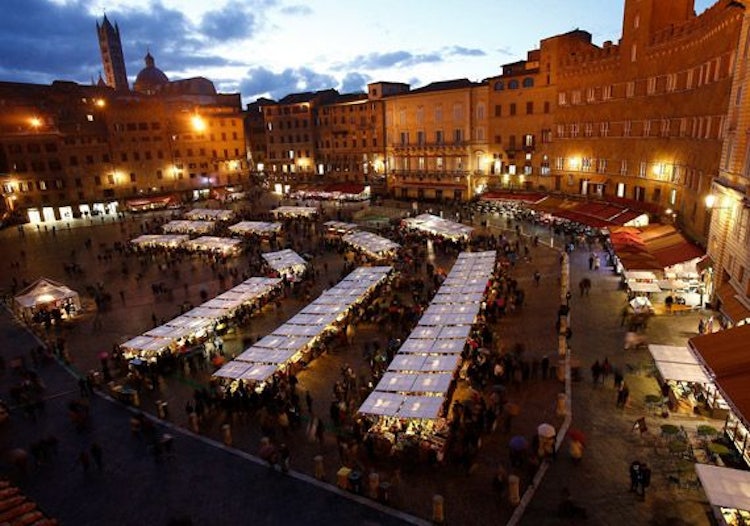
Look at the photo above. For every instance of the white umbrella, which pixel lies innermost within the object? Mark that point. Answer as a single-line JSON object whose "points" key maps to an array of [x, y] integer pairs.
{"points": [[546, 431]]}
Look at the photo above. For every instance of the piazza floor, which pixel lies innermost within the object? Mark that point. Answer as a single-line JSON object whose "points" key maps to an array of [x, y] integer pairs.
{"points": [[212, 484]]}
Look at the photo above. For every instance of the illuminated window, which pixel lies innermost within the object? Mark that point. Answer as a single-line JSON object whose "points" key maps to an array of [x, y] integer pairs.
{"points": [[620, 190]]}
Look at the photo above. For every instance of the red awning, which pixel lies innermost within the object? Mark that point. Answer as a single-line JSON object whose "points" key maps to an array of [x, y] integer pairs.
{"points": [[724, 353], [731, 307]]}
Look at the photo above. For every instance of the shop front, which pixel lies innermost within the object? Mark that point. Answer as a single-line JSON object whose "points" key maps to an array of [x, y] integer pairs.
{"points": [[728, 492]]}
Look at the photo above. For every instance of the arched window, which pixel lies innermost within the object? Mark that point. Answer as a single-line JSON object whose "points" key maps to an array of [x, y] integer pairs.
{"points": [[499, 85], [513, 84], [528, 82]]}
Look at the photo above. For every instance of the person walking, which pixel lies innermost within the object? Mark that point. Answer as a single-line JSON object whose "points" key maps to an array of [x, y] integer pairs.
{"points": [[635, 469], [537, 277]]}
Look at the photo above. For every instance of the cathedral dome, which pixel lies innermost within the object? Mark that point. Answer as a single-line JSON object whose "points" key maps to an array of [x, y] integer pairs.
{"points": [[150, 79]]}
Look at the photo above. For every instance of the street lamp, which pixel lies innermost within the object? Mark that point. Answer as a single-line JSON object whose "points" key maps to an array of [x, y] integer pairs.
{"points": [[35, 122], [199, 124]]}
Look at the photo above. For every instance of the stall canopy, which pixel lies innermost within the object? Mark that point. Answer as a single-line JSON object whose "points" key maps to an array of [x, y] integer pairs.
{"points": [[371, 244], [181, 226], [209, 214], [286, 262], [425, 364], [438, 226], [725, 487], [725, 355], [261, 228], [285, 344], [222, 245], [45, 293], [200, 319], [295, 211], [160, 240]]}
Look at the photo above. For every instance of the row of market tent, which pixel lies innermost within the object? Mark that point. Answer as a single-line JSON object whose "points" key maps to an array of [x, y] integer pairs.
{"points": [[419, 378], [222, 245], [292, 343], [200, 321]]}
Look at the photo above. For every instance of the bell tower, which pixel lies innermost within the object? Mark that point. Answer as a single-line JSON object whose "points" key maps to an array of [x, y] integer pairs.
{"points": [[112, 57]]}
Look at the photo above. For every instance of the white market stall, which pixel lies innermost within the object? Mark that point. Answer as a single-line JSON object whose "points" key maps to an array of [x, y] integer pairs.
{"points": [[295, 211], [209, 214], [372, 245], [437, 226], [160, 240], [418, 383], [43, 297], [222, 245], [255, 228], [295, 341], [287, 263], [687, 381], [181, 226]]}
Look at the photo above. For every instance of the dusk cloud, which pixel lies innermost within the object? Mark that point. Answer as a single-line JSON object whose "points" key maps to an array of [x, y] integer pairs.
{"points": [[355, 82], [392, 59], [466, 52], [297, 10], [232, 22], [261, 81]]}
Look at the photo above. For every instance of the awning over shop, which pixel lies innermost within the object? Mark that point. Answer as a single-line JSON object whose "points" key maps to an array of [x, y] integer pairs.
{"points": [[513, 196], [725, 487], [151, 203], [672, 353], [731, 306], [597, 214], [653, 247], [725, 355], [682, 372]]}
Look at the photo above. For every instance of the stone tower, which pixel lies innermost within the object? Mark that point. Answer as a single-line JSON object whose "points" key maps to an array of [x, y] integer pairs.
{"points": [[112, 57]]}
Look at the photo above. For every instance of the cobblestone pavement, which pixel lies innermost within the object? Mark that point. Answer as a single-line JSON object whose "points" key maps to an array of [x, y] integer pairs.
{"points": [[212, 484]]}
